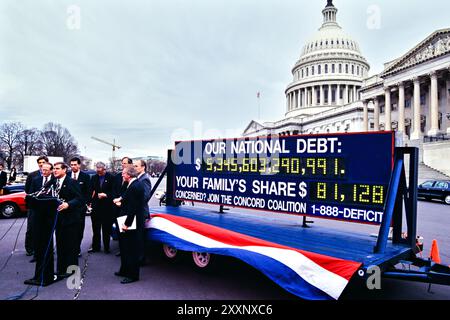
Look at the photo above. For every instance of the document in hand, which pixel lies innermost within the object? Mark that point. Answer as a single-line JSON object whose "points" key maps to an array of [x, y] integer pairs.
{"points": [[121, 222]]}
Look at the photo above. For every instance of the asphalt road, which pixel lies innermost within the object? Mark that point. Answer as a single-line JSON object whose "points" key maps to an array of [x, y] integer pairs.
{"points": [[229, 279]]}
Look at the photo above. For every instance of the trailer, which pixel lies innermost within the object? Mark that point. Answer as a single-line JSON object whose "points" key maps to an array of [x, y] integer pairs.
{"points": [[329, 175]]}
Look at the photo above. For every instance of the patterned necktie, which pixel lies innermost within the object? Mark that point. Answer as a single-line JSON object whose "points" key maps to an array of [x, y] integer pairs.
{"points": [[45, 181], [58, 186]]}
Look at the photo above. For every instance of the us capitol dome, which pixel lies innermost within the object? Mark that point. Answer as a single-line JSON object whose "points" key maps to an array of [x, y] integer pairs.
{"points": [[329, 72]]}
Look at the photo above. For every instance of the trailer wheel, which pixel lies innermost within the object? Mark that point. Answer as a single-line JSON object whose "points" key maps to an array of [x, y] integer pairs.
{"points": [[169, 252], [201, 259]]}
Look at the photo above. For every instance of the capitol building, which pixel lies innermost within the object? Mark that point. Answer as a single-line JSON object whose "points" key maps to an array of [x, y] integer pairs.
{"points": [[331, 90]]}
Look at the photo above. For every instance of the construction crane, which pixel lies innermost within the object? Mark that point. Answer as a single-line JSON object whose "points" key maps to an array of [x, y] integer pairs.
{"points": [[114, 147]]}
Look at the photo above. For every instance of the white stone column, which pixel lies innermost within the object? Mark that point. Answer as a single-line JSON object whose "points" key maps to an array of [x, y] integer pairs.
{"points": [[346, 94], [338, 95], [322, 99], [434, 106], [297, 99], [355, 98], [287, 104], [401, 107], [314, 96], [387, 109], [447, 104], [305, 97], [416, 120], [365, 117], [376, 114], [329, 94]]}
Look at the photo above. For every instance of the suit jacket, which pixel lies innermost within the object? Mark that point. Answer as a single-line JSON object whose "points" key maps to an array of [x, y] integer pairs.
{"points": [[30, 178], [36, 183], [144, 180], [70, 192], [107, 187], [133, 205], [119, 186], [3, 179], [84, 181]]}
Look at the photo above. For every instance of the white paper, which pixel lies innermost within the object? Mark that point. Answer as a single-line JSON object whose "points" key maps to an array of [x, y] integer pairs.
{"points": [[121, 222]]}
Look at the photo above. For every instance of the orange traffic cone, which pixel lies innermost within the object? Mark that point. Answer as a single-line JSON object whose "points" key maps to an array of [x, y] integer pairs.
{"points": [[434, 255]]}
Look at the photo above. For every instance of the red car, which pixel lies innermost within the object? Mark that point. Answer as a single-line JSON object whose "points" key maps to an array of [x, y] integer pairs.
{"points": [[12, 204]]}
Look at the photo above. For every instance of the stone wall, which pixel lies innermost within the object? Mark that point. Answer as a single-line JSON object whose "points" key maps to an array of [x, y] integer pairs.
{"points": [[437, 156]]}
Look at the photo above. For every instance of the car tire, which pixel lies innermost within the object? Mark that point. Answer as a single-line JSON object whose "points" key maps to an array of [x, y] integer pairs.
{"points": [[447, 199], [9, 210]]}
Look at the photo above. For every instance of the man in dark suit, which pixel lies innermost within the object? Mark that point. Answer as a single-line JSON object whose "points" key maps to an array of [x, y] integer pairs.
{"points": [[67, 226], [144, 179], [28, 189], [3, 177], [119, 188], [84, 181], [101, 215], [132, 206], [43, 228]]}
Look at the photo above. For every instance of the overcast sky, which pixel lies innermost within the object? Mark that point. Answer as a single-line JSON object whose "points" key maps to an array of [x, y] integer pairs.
{"points": [[143, 72]]}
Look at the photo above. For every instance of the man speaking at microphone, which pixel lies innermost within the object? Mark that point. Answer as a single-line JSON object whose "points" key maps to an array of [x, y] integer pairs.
{"points": [[68, 224]]}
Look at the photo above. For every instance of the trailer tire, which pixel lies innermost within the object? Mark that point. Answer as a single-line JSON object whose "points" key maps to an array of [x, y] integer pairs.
{"points": [[170, 252], [202, 260]]}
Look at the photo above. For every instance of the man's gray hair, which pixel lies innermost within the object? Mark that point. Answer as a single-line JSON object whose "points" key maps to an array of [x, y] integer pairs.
{"points": [[100, 165], [131, 171]]}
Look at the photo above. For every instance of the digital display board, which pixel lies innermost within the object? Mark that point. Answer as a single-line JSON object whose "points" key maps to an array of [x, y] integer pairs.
{"points": [[335, 176]]}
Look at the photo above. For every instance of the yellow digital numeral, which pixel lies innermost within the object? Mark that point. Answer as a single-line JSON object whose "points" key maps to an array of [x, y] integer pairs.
{"points": [[219, 164], [245, 165], [322, 164], [311, 163], [364, 193], [263, 164], [377, 194], [276, 165], [285, 164], [209, 164], [253, 165], [295, 165], [321, 190]]}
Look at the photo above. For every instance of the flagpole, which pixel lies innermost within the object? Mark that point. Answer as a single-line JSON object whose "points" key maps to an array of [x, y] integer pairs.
{"points": [[258, 94]]}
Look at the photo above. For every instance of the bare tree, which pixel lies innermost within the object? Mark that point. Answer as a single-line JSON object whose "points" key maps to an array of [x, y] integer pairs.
{"points": [[58, 142], [155, 167], [30, 144], [10, 141]]}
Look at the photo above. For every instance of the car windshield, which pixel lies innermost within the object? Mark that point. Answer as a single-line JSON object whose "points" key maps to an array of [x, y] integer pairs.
{"points": [[427, 184]]}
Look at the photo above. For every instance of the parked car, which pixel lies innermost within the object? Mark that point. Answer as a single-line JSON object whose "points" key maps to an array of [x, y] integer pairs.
{"points": [[13, 188], [13, 204], [435, 189]]}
